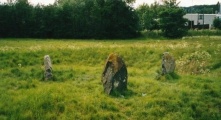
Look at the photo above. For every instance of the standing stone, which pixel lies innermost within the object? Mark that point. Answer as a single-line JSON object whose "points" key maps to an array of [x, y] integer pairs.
{"points": [[114, 76], [48, 67], [168, 63]]}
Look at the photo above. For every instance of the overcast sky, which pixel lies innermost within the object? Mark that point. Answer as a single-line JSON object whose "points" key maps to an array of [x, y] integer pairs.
{"points": [[185, 3]]}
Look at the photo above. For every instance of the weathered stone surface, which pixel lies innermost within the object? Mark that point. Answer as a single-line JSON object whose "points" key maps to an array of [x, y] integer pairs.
{"points": [[114, 76], [48, 67], [168, 63]]}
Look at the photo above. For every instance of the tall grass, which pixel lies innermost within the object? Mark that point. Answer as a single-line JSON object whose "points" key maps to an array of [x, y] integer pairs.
{"points": [[204, 32], [77, 93], [157, 34]]}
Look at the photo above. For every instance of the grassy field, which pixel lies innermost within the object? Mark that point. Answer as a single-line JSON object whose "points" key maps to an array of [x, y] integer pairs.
{"points": [[76, 92]]}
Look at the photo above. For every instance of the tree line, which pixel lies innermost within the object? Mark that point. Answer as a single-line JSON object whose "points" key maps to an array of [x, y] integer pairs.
{"points": [[94, 19], [202, 9], [80, 19]]}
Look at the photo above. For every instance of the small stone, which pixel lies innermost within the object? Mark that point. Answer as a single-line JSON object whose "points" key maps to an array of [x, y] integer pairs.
{"points": [[168, 63], [48, 67]]}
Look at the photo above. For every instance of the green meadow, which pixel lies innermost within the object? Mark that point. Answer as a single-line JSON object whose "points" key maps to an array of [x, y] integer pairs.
{"points": [[193, 92]]}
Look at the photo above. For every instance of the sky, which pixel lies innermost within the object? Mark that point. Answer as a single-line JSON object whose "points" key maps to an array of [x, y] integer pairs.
{"points": [[183, 3]]}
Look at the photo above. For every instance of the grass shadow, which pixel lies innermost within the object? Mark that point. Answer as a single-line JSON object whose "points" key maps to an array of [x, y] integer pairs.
{"points": [[168, 77], [124, 94]]}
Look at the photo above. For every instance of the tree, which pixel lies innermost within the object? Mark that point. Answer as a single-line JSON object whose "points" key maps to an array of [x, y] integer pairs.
{"points": [[217, 23], [6, 20], [23, 18], [15, 19], [202, 9], [145, 16], [120, 20], [172, 22], [148, 16]]}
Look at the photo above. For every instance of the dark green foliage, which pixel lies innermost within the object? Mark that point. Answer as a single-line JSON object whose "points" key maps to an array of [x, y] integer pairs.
{"points": [[16, 19], [172, 76], [204, 32], [168, 76], [172, 22], [217, 23], [217, 65], [167, 17], [202, 9], [65, 19], [119, 19], [148, 16]]}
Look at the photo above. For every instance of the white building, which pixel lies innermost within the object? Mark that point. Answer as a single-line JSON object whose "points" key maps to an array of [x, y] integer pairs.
{"points": [[201, 19]]}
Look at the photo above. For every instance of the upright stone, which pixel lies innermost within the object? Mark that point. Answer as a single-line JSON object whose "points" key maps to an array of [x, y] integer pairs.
{"points": [[168, 63], [48, 67], [114, 76]]}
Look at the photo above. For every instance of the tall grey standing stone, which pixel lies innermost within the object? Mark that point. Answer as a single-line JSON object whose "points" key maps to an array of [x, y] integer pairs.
{"points": [[168, 63], [48, 67], [114, 76]]}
